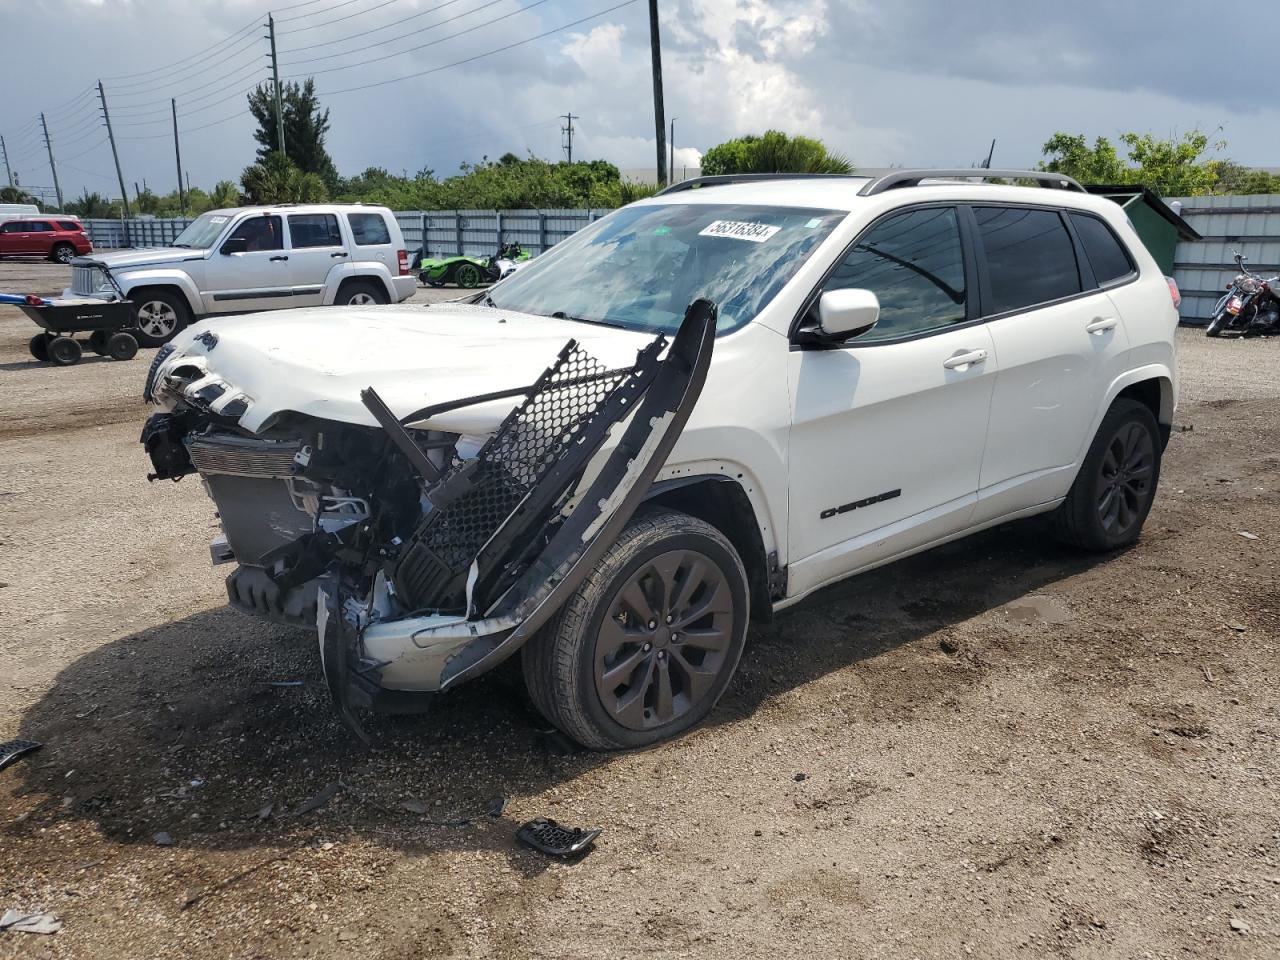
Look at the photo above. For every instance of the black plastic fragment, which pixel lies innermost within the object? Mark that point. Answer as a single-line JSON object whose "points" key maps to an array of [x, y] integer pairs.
{"points": [[549, 837], [11, 750]]}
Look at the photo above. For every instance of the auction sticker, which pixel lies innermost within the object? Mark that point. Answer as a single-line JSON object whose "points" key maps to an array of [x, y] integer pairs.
{"points": [[739, 230]]}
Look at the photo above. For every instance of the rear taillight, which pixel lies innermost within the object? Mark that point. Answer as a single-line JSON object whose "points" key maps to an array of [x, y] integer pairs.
{"points": [[403, 256], [1173, 291]]}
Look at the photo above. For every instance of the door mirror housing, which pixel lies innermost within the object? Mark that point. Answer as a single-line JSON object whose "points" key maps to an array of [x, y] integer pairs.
{"points": [[234, 245], [844, 314]]}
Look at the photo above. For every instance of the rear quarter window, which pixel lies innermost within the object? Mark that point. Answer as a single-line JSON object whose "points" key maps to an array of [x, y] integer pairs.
{"points": [[1106, 254], [68, 225], [1030, 257], [369, 229]]}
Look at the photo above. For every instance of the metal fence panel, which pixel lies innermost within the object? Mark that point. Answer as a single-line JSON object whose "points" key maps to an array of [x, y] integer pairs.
{"points": [[1204, 268], [476, 233]]}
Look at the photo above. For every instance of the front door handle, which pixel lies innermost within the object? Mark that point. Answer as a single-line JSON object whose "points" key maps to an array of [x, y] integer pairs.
{"points": [[274, 259], [962, 360], [1101, 324], [337, 255]]}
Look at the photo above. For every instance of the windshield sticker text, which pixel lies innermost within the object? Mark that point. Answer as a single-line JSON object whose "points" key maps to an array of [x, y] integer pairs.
{"points": [[739, 230]]}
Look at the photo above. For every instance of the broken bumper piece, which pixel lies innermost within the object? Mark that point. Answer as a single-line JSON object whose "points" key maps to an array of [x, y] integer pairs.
{"points": [[435, 651]]}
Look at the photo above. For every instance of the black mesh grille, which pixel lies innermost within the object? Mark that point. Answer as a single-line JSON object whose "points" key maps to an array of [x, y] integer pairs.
{"points": [[529, 443]]}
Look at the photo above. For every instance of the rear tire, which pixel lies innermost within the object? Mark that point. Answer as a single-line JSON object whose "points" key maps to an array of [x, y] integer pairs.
{"points": [[161, 315], [612, 675], [98, 342], [64, 351], [39, 347], [122, 346], [1113, 492], [62, 253], [360, 293], [467, 275]]}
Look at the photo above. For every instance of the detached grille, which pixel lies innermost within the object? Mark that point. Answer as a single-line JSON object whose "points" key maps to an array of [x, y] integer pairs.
{"points": [[242, 456], [84, 281]]}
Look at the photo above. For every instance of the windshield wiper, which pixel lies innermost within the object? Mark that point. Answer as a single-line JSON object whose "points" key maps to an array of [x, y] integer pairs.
{"points": [[561, 315], [185, 246]]}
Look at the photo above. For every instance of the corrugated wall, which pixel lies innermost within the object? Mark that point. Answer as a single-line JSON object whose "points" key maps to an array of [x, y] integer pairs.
{"points": [[1203, 268]]}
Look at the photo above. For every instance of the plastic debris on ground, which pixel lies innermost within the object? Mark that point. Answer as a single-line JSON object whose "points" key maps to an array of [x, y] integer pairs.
{"points": [[12, 750], [549, 837], [20, 922]]}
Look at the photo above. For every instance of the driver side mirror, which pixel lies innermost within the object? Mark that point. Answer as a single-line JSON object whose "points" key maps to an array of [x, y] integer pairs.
{"points": [[844, 314], [235, 245]]}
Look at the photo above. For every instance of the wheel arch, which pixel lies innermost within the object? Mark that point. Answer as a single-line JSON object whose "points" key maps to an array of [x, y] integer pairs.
{"points": [[356, 273], [169, 284], [722, 502]]}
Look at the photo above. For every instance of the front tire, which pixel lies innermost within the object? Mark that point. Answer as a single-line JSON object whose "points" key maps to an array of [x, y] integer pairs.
{"points": [[648, 643], [161, 314], [1113, 492], [39, 347], [64, 351]]}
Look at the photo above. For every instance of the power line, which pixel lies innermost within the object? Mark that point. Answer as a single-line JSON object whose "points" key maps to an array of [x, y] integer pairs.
{"points": [[358, 13], [355, 36], [466, 13], [188, 73], [316, 13], [481, 56], [437, 42], [204, 51]]}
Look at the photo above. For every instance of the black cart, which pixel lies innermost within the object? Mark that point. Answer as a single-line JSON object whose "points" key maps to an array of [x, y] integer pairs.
{"points": [[112, 326]]}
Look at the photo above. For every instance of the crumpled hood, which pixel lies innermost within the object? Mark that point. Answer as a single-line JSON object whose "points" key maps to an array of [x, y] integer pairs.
{"points": [[155, 256], [316, 361]]}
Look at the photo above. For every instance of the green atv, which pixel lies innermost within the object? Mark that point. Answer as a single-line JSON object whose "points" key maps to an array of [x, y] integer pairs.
{"points": [[467, 271]]}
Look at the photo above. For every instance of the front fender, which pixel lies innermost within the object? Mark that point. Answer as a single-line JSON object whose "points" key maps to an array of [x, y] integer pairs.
{"points": [[163, 277]]}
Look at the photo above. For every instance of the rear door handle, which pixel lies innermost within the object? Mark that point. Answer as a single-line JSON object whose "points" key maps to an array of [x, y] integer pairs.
{"points": [[337, 255], [274, 259], [965, 359], [1101, 324]]}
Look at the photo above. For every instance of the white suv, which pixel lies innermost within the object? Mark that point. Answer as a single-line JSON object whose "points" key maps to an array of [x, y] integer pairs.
{"points": [[696, 411], [256, 258]]}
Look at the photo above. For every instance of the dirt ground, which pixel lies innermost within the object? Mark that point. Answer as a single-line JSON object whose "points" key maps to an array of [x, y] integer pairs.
{"points": [[1002, 748]]}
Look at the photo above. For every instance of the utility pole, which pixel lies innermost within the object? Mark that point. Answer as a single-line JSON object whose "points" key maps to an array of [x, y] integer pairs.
{"points": [[986, 165], [655, 47], [8, 172], [567, 130], [177, 153], [671, 144], [48, 145], [275, 76], [124, 194]]}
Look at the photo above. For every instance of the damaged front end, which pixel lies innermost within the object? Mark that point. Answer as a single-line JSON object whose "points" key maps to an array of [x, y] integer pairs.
{"points": [[425, 557]]}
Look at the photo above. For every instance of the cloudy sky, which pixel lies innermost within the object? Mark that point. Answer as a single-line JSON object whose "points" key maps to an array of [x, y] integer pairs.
{"points": [[908, 82]]}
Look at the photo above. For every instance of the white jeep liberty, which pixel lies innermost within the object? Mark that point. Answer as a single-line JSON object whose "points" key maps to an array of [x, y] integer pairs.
{"points": [[255, 258], [696, 411]]}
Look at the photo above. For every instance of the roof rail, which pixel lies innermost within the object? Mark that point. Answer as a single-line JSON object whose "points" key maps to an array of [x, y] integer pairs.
{"points": [[722, 179], [912, 178]]}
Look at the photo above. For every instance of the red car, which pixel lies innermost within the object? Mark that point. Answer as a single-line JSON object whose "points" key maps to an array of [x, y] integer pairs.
{"points": [[57, 238]]}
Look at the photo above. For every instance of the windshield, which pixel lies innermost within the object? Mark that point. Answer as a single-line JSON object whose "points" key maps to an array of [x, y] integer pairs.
{"points": [[202, 231], [641, 266]]}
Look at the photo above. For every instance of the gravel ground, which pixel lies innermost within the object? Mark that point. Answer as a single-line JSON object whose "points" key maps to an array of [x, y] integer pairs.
{"points": [[1002, 748]]}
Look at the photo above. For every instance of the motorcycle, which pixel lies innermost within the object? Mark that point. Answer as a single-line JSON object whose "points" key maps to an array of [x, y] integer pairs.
{"points": [[1250, 307], [467, 272]]}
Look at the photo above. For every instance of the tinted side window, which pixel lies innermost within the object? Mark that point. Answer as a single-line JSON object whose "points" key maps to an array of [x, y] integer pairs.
{"points": [[1030, 257], [314, 230], [41, 226], [69, 225], [369, 229], [262, 233], [15, 226], [1106, 254], [914, 264]]}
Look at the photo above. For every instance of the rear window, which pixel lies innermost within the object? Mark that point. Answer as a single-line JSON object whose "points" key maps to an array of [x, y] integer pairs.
{"points": [[68, 225], [1030, 257], [1106, 254], [314, 230], [369, 229]]}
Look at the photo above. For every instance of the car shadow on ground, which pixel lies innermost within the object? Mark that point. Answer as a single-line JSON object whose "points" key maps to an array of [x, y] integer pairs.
{"points": [[88, 358], [199, 726]]}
